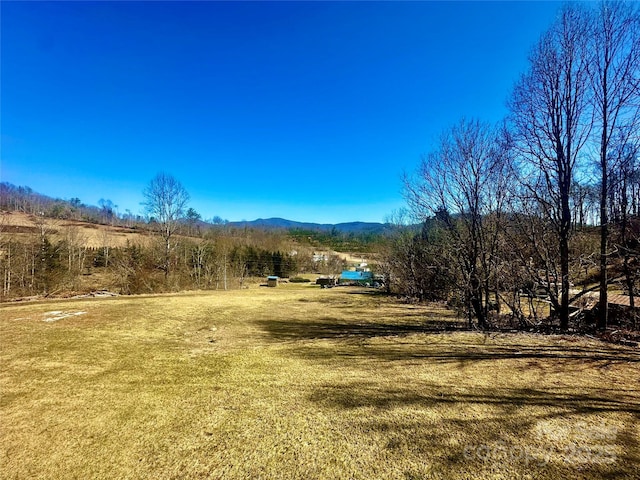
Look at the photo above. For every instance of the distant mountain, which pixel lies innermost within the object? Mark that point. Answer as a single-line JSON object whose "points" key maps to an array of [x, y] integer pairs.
{"points": [[284, 224]]}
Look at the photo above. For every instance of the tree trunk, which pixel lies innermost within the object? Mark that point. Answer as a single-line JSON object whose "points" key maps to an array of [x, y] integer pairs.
{"points": [[603, 304], [565, 229], [476, 301]]}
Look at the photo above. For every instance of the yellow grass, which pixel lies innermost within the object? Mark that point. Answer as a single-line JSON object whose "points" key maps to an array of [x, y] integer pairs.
{"points": [[302, 382], [87, 234]]}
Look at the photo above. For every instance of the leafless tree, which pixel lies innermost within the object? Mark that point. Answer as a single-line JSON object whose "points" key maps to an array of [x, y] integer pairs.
{"points": [[625, 180], [416, 261], [165, 202], [615, 80], [584, 204], [5, 258], [75, 244], [551, 125], [462, 184]]}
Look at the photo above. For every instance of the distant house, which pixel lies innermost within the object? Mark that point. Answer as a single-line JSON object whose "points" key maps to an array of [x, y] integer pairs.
{"points": [[320, 257], [272, 281]]}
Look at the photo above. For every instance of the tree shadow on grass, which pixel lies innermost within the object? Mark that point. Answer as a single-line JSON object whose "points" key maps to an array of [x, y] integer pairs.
{"points": [[509, 438], [587, 401], [422, 418], [353, 340], [328, 328]]}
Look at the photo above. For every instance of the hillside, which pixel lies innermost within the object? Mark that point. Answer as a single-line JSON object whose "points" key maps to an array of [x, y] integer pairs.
{"points": [[95, 235], [90, 235], [45, 256], [14, 199], [284, 224]]}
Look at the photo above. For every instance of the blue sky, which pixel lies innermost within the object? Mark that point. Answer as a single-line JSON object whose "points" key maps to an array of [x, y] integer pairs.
{"points": [[309, 111]]}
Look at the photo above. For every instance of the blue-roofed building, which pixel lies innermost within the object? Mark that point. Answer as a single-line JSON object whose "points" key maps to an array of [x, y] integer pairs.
{"points": [[357, 277]]}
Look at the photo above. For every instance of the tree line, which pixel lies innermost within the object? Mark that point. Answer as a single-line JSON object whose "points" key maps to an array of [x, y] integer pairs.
{"points": [[543, 208], [549, 196], [53, 257]]}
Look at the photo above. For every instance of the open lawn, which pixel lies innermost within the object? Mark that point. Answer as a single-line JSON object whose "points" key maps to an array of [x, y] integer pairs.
{"points": [[303, 382]]}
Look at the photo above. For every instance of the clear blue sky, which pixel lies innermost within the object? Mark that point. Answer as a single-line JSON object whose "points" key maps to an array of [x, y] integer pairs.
{"points": [[309, 111]]}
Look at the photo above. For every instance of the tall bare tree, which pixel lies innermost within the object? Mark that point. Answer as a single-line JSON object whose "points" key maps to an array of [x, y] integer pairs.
{"points": [[462, 185], [417, 262], [625, 180], [615, 78], [551, 125], [165, 202]]}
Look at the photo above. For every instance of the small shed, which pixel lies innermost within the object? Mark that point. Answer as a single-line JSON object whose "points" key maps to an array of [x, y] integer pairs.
{"points": [[272, 281]]}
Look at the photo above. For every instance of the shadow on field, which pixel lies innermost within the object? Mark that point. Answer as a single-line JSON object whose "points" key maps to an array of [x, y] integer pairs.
{"points": [[330, 328], [511, 400], [513, 437], [471, 428], [465, 354], [352, 338]]}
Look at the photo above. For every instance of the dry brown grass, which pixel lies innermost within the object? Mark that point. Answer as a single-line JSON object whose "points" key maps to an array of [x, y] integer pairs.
{"points": [[87, 234], [299, 382]]}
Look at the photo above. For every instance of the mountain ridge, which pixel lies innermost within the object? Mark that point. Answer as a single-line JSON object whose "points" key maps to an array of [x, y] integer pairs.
{"points": [[275, 223]]}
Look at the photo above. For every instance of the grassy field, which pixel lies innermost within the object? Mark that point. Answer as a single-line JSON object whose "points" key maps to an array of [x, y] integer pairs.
{"points": [[299, 382]]}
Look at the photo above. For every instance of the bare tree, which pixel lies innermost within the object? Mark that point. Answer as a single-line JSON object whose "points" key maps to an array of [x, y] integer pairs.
{"points": [[615, 78], [165, 202], [462, 185], [75, 244], [6, 258], [551, 125], [416, 262], [627, 176]]}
